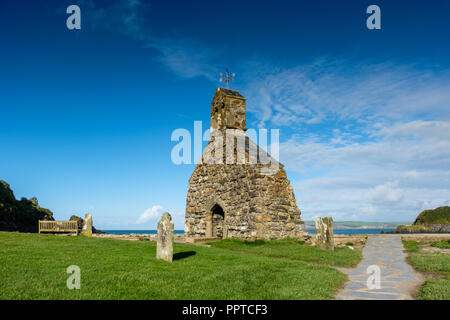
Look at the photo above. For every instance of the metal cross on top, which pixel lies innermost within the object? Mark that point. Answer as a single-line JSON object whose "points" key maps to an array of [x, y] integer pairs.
{"points": [[227, 77]]}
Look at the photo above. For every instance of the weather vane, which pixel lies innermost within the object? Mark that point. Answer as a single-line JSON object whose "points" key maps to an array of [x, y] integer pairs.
{"points": [[227, 77]]}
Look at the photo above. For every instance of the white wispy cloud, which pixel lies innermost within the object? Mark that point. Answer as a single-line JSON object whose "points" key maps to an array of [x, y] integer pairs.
{"points": [[151, 217], [150, 214], [385, 193], [120, 16], [185, 58], [344, 90]]}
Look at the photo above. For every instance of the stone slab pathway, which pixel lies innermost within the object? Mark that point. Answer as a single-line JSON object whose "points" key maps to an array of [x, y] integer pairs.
{"points": [[398, 279]]}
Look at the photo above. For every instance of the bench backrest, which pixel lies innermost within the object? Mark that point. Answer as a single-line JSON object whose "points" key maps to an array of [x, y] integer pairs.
{"points": [[58, 226]]}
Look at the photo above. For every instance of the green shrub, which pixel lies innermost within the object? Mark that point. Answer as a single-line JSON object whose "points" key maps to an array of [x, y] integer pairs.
{"points": [[439, 215], [19, 215]]}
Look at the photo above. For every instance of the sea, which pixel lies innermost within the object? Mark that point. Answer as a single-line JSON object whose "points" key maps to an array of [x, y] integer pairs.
{"points": [[311, 231], [356, 230], [138, 231]]}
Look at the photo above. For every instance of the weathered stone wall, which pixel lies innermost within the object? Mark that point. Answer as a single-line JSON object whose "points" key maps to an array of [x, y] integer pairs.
{"points": [[255, 205], [228, 110]]}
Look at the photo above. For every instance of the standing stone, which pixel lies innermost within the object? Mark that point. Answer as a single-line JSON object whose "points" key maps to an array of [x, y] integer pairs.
{"points": [[324, 233], [164, 242], [87, 225]]}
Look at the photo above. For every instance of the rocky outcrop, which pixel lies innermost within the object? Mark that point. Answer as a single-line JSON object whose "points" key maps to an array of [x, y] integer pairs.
{"points": [[436, 228], [438, 216], [429, 221], [79, 221], [20, 215]]}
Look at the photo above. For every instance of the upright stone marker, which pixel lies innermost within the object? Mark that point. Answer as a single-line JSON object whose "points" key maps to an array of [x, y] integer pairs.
{"points": [[324, 233], [87, 225], [164, 243]]}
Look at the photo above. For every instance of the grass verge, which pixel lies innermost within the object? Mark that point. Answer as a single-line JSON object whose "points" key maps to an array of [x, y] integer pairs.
{"points": [[443, 244], [435, 266], [411, 246]]}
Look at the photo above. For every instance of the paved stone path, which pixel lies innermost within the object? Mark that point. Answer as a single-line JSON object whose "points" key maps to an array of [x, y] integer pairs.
{"points": [[397, 278]]}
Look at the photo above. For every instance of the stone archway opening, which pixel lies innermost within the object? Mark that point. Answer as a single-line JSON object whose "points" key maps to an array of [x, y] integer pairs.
{"points": [[217, 221]]}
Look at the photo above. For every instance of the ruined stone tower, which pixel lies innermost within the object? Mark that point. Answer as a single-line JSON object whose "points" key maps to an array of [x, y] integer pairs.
{"points": [[231, 193], [228, 110]]}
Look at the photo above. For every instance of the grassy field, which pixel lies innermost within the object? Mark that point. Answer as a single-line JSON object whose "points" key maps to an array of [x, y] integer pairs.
{"points": [[33, 266], [293, 250], [436, 267]]}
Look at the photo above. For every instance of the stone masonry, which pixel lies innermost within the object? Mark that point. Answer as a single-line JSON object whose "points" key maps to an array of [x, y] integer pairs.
{"points": [[236, 198]]}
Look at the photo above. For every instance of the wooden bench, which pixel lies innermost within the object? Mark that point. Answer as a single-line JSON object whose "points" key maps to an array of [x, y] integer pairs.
{"points": [[58, 226]]}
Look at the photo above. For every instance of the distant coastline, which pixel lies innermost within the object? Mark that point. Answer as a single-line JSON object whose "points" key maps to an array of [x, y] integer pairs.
{"points": [[311, 230], [138, 231], [355, 230], [340, 225]]}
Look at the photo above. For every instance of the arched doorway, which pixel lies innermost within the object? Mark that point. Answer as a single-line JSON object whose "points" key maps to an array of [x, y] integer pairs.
{"points": [[217, 219]]}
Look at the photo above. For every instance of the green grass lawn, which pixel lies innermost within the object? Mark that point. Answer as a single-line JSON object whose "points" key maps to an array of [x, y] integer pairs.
{"points": [[411, 246], [33, 266], [437, 268], [293, 250]]}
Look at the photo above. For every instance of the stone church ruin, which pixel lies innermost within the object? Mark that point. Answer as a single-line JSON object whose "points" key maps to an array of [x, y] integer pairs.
{"points": [[232, 193]]}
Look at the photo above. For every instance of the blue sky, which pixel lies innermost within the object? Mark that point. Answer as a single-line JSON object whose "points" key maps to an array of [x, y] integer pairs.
{"points": [[87, 115]]}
